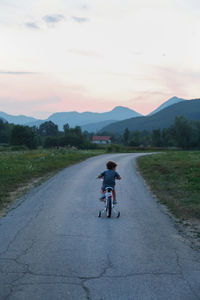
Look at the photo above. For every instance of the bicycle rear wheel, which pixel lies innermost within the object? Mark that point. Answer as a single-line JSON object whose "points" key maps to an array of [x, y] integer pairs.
{"points": [[109, 207]]}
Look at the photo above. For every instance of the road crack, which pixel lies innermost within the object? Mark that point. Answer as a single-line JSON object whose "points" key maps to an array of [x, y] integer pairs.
{"points": [[102, 274], [21, 229]]}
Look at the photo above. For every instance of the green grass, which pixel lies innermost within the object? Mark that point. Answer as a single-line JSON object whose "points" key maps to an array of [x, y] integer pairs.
{"points": [[20, 168], [174, 178]]}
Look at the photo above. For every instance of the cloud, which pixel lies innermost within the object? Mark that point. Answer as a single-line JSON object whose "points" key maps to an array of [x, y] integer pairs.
{"points": [[172, 79], [137, 52], [31, 25], [52, 19], [86, 53], [146, 101], [17, 73], [48, 19], [80, 20], [85, 7]]}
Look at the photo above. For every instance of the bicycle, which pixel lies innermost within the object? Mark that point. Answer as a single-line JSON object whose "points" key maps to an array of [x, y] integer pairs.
{"points": [[109, 206]]}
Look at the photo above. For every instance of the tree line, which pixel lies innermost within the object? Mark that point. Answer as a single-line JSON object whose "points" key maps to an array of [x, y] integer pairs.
{"points": [[47, 135], [184, 134]]}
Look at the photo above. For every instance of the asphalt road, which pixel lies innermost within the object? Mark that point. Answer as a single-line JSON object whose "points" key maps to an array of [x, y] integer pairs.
{"points": [[53, 245]]}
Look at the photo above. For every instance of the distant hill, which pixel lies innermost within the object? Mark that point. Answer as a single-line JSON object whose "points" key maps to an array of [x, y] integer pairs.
{"points": [[2, 119], [92, 121], [94, 127], [36, 123], [169, 102], [20, 120], [162, 119], [74, 118]]}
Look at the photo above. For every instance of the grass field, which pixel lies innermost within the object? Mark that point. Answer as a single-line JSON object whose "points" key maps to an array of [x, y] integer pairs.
{"points": [[174, 177], [18, 169]]}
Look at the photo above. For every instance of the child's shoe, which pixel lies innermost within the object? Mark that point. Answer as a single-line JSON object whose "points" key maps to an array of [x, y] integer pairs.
{"points": [[102, 198]]}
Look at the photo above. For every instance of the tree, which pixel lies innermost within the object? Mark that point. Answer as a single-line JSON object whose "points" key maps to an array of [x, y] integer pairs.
{"points": [[2, 131], [136, 139], [183, 132], [78, 131], [156, 138], [168, 136], [5, 132], [197, 131], [66, 128], [51, 141], [23, 135], [48, 129], [126, 136]]}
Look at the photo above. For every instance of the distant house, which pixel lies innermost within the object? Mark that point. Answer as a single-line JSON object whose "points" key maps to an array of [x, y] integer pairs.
{"points": [[97, 139]]}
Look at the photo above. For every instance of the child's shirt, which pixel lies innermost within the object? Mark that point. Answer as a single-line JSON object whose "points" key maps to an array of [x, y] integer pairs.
{"points": [[109, 177]]}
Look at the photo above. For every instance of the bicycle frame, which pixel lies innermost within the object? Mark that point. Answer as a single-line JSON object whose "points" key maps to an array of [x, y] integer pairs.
{"points": [[109, 200], [109, 206], [109, 193]]}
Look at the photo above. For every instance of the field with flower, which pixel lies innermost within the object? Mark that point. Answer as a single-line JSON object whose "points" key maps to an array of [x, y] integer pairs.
{"points": [[174, 177], [20, 168]]}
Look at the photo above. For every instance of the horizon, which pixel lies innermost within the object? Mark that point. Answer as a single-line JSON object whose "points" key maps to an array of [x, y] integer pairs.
{"points": [[92, 56], [32, 116]]}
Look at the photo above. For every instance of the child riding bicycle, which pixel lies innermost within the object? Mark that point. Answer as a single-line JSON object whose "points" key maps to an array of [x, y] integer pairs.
{"points": [[109, 177]]}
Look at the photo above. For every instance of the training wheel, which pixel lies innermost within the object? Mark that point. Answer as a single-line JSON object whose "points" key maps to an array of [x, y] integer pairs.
{"points": [[99, 215], [118, 215]]}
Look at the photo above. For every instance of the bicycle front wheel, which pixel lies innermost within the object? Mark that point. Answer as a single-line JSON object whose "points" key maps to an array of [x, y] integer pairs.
{"points": [[109, 207]]}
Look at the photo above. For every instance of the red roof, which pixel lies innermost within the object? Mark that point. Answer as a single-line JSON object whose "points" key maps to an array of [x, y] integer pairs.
{"points": [[100, 138]]}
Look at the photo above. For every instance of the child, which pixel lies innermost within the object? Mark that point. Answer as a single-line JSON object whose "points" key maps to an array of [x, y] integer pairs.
{"points": [[109, 177]]}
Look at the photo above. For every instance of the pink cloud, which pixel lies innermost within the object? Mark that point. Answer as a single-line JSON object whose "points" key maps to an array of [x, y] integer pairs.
{"points": [[146, 102], [27, 94], [180, 82]]}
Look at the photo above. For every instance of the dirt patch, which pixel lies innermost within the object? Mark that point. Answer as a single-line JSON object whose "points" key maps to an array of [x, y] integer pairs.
{"points": [[21, 190], [190, 229]]}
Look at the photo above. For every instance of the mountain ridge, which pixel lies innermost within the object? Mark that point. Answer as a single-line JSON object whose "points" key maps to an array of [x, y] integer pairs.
{"points": [[3, 119], [81, 119], [16, 119], [167, 103], [95, 127], [162, 119], [74, 118], [90, 121]]}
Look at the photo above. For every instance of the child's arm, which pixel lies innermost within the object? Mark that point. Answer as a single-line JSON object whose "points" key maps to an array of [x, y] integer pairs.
{"points": [[101, 175], [117, 176]]}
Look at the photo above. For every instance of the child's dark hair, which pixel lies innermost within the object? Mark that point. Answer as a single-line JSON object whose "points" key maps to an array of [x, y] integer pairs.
{"points": [[111, 165]]}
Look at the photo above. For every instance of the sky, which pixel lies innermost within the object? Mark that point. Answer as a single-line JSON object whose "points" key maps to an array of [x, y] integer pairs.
{"points": [[93, 55]]}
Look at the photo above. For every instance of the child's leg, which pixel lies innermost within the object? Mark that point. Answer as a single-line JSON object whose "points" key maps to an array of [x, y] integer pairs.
{"points": [[114, 196], [103, 196]]}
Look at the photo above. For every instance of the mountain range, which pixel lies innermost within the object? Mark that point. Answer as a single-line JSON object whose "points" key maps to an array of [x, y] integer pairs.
{"points": [[74, 118], [20, 120], [90, 121], [161, 119]]}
